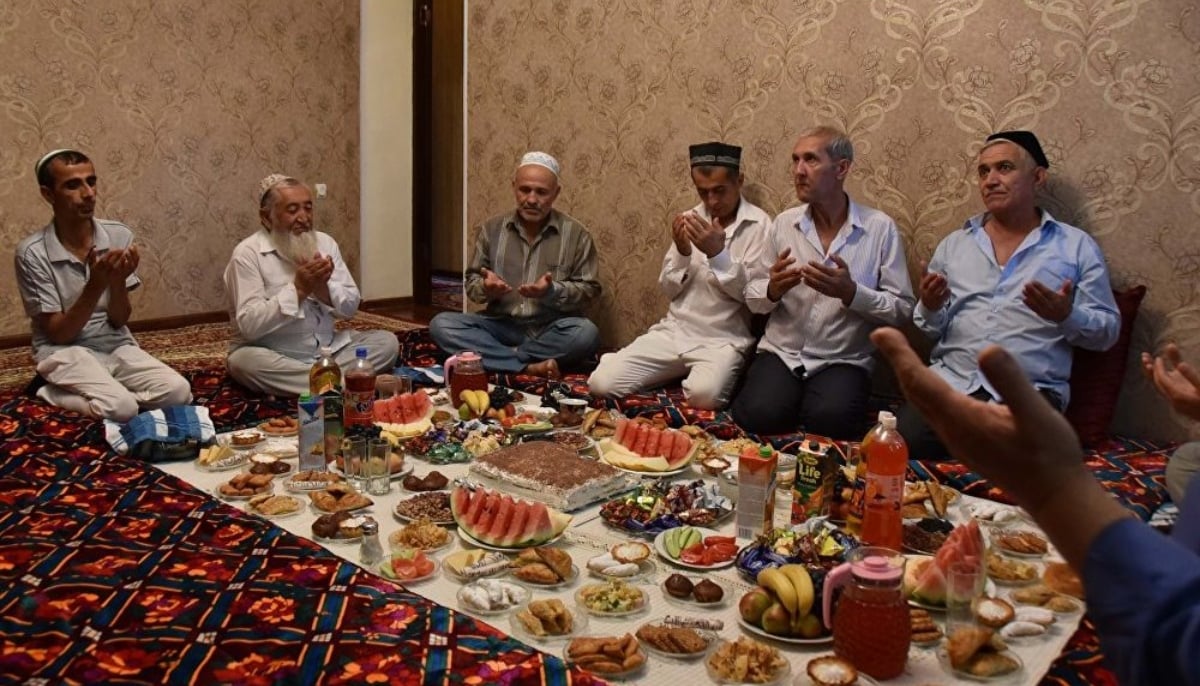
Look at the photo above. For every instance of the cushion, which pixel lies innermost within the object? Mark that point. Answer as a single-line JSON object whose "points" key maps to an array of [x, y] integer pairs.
{"points": [[1096, 376]]}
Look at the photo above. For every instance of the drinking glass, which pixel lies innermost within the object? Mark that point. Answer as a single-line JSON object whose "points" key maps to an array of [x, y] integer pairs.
{"points": [[377, 474], [354, 460], [388, 385], [964, 587]]}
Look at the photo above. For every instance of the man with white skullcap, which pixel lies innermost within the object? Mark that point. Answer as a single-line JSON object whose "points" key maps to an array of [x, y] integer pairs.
{"points": [[534, 269], [74, 276], [716, 250], [286, 284]]}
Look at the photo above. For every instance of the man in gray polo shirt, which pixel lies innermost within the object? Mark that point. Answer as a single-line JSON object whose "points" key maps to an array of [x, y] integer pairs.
{"points": [[74, 276]]}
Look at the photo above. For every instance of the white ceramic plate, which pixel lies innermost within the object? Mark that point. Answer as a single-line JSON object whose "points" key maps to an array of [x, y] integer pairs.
{"points": [[804, 679], [247, 446], [780, 677], [661, 549], [269, 433], [645, 570], [318, 511], [449, 542], [471, 540], [238, 498], [793, 640]]}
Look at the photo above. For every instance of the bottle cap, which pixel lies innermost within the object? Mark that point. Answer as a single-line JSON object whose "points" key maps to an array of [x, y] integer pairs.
{"points": [[360, 352], [370, 527], [326, 351], [766, 451], [305, 398]]}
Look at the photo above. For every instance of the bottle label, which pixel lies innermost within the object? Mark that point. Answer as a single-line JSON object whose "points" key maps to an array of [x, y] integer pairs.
{"points": [[883, 493], [359, 407]]}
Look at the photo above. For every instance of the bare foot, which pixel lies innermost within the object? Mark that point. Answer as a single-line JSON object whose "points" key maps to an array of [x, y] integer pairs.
{"points": [[546, 368]]}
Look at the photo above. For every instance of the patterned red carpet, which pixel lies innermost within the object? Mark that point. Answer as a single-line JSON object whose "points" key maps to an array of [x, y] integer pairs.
{"points": [[115, 572]]}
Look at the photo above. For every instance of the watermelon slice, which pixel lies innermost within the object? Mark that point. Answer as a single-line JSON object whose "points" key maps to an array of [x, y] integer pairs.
{"points": [[681, 450], [622, 432], [655, 437], [516, 525], [498, 527], [460, 501], [638, 445], [964, 544]]}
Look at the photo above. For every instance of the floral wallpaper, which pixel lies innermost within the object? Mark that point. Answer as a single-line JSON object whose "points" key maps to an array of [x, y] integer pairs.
{"points": [[183, 107], [617, 89]]}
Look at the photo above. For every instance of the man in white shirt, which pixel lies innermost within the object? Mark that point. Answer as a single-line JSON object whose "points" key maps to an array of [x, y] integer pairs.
{"points": [[835, 271], [287, 284], [716, 248], [74, 276]]}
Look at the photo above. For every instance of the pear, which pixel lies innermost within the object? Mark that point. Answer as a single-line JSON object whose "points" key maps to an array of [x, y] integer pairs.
{"points": [[776, 620]]}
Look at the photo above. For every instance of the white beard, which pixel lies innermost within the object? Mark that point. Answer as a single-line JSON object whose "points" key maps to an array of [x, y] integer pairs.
{"points": [[294, 248]]}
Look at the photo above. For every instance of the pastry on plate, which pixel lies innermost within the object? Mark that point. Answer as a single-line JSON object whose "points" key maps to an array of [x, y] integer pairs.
{"points": [[339, 497]]}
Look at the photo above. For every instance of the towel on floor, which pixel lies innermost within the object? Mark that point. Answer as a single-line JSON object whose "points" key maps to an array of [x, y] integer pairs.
{"points": [[151, 434], [422, 376]]}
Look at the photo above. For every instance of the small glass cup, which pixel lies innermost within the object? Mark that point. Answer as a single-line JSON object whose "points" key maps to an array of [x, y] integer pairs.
{"points": [[386, 386], [354, 461], [964, 587], [377, 475]]}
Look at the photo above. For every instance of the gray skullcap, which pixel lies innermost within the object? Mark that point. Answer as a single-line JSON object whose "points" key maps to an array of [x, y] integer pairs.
{"points": [[45, 159], [540, 159]]}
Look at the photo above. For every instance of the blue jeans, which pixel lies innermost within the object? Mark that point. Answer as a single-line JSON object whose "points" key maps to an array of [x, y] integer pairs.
{"points": [[508, 346]]}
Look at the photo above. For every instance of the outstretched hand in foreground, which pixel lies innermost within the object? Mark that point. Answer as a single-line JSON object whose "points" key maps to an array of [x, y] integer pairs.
{"points": [[1023, 445]]}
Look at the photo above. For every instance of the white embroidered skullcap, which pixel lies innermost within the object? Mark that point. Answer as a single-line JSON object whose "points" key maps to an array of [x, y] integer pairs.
{"points": [[270, 181], [541, 159], [37, 168]]}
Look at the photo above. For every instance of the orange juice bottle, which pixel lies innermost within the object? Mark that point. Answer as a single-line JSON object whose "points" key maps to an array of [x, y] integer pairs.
{"points": [[886, 455]]}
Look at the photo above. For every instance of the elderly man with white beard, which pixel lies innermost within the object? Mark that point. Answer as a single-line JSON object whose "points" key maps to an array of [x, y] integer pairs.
{"points": [[287, 284]]}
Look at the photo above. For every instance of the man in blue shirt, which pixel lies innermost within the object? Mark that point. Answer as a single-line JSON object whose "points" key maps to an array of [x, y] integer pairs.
{"points": [[1016, 277], [1143, 589]]}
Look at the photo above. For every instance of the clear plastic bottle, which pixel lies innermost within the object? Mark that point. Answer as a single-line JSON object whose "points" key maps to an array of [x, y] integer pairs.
{"points": [[360, 391], [856, 468], [886, 455], [325, 382]]}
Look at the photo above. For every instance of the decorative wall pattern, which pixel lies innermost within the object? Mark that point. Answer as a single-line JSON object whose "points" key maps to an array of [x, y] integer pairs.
{"points": [[617, 89], [183, 107]]}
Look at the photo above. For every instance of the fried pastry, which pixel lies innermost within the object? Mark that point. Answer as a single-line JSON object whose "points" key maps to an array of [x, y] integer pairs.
{"points": [[558, 561], [831, 670], [965, 642], [993, 612], [274, 505], [1003, 569], [246, 484], [339, 497], [546, 618], [940, 497], [1034, 595], [987, 665], [1022, 542], [1060, 577]]}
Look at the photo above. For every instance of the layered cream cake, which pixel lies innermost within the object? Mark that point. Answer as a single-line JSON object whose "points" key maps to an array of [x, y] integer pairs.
{"points": [[552, 474]]}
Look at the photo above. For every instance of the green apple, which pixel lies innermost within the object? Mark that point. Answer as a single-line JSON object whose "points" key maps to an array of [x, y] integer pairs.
{"points": [[753, 605]]}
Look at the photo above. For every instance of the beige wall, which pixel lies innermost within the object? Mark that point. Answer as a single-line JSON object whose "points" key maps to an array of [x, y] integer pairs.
{"points": [[183, 106], [618, 90], [387, 120]]}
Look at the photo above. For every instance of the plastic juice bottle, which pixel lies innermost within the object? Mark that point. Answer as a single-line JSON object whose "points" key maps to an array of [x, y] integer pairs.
{"points": [[756, 491], [886, 455], [360, 391], [325, 381]]}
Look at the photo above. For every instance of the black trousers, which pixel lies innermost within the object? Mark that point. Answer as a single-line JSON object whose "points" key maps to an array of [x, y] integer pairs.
{"points": [[923, 442], [774, 399]]}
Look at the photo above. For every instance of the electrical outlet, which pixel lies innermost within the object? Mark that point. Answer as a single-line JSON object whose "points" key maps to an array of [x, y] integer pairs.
{"points": [[321, 189]]}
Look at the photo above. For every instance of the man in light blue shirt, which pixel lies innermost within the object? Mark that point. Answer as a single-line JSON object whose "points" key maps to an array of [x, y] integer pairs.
{"points": [[1015, 277]]}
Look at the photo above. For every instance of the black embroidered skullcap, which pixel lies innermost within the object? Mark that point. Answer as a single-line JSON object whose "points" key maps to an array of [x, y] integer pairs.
{"points": [[715, 154], [1026, 140]]}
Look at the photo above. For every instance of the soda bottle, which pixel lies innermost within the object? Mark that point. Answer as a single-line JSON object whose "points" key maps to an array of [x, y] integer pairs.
{"points": [[360, 391], [325, 381], [886, 455]]}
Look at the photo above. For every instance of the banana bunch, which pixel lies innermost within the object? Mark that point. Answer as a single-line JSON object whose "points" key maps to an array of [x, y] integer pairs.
{"points": [[475, 403], [793, 587]]}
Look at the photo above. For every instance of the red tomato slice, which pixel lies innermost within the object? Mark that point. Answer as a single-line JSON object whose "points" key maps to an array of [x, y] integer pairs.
{"points": [[424, 567], [723, 551], [693, 555], [404, 569], [713, 540]]}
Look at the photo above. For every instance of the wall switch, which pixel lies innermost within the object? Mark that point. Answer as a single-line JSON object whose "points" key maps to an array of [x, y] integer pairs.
{"points": [[320, 190]]}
